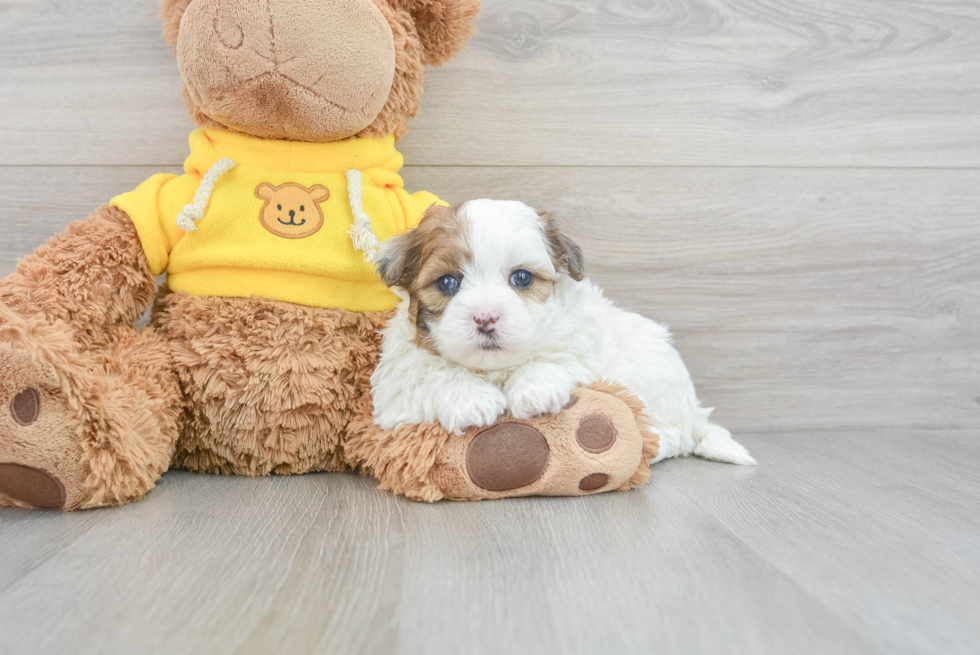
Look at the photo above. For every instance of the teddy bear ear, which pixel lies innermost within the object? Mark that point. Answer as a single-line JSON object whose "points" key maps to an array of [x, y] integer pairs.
{"points": [[171, 11], [443, 26], [265, 191], [319, 193]]}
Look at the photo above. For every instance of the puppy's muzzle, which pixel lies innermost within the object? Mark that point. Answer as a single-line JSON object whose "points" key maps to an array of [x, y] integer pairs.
{"points": [[486, 322]]}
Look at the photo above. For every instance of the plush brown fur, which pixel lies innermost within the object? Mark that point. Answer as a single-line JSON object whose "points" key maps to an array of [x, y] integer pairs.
{"points": [[426, 463], [93, 277], [170, 12], [426, 32], [443, 27], [68, 310], [115, 403], [270, 387], [243, 385]]}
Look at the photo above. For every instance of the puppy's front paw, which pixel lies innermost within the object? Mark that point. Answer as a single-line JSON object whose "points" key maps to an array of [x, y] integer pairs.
{"points": [[533, 395], [475, 404]]}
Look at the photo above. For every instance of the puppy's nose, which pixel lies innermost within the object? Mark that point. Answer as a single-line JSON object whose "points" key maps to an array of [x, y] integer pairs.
{"points": [[486, 321]]}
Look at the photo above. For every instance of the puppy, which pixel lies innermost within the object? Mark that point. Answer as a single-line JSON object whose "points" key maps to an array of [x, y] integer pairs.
{"points": [[496, 315]]}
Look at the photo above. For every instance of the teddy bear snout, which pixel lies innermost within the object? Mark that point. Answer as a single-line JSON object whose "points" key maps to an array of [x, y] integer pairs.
{"points": [[287, 69]]}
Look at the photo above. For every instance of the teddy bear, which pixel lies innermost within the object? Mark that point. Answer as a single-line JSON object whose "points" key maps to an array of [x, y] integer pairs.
{"points": [[260, 346]]}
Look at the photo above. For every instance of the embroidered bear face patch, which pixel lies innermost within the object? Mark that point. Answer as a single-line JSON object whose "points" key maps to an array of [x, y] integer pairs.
{"points": [[291, 210]]}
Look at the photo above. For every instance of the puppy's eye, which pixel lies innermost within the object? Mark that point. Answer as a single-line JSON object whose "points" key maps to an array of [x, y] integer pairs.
{"points": [[521, 278], [448, 284]]}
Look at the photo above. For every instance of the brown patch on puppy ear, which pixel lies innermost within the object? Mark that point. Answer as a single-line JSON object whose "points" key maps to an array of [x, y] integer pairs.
{"points": [[415, 261], [171, 11], [443, 26], [565, 252], [398, 262]]}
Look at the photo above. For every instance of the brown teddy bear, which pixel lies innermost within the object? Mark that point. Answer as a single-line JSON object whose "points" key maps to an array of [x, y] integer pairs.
{"points": [[261, 345]]}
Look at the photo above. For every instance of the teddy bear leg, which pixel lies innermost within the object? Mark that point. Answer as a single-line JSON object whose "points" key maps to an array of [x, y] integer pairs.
{"points": [[88, 406], [83, 429], [599, 442]]}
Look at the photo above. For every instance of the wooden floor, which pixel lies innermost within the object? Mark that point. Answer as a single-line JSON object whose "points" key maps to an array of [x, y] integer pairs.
{"points": [[793, 186]]}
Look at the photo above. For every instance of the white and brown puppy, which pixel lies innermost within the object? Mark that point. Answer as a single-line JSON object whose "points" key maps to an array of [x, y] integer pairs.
{"points": [[496, 315]]}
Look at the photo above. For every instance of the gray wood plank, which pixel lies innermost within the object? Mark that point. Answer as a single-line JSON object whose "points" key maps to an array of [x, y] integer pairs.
{"points": [[820, 549], [841, 513], [647, 572], [236, 574], [585, 82], [799, 298]]}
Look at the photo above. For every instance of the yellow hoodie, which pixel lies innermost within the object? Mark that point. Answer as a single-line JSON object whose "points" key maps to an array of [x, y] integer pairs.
{"points": [[276, 219]]}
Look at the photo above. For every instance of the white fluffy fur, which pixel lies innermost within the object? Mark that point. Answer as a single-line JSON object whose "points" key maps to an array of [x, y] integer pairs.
{"points": [[576, 336]]}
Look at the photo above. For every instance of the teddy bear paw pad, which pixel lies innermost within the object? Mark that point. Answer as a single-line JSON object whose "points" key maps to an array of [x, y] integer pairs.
{"points": [[31, 486], [593, 445], [506, 457]]}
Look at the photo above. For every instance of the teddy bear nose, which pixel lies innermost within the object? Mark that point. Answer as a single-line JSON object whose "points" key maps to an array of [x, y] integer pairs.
{"points": [[292, 213]]}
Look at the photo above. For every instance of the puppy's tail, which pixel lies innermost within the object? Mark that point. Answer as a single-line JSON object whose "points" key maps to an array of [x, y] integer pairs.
{"points": [[715, 442]]}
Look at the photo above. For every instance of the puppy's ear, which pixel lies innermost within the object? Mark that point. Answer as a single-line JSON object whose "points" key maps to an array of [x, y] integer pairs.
{"points": [[399, 260], [565, 252]]}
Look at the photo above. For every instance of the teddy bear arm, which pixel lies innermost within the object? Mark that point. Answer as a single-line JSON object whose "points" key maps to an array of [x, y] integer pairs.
{"points": [[93, 277]]}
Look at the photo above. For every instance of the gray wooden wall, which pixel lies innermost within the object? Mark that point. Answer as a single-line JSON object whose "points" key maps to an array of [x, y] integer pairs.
{"points": [[792, 186]]}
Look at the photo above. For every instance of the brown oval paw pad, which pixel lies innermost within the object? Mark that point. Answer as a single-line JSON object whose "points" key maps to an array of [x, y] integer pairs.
{"points": [[25, 407], [32, 486], [507, 456], [596, 434], [593, 482]]}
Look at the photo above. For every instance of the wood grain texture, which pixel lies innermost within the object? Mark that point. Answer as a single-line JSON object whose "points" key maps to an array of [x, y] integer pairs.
{"points": [[584, 82], [822, 549], [799, 298]]}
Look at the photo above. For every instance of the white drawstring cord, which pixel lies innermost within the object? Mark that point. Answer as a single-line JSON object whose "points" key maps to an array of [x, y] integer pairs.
{"points": [[362, 231], [194, 212]]}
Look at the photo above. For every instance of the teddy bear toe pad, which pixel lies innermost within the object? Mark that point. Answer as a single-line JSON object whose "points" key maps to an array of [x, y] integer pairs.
{"points": [[593, 482], [25, 406]]}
